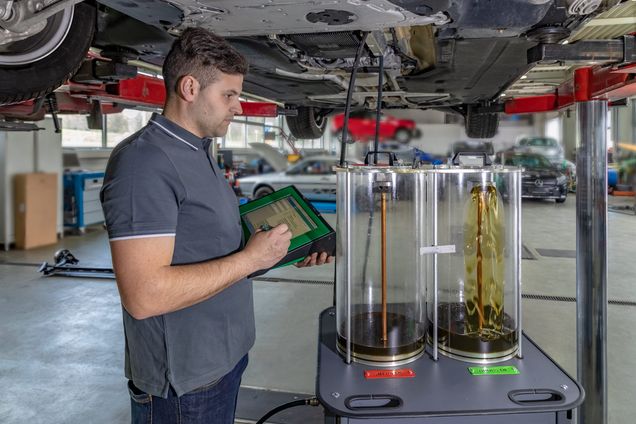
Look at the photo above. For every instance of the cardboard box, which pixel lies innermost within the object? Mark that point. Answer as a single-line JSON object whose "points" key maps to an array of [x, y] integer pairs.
{"points": [[35, 208]]}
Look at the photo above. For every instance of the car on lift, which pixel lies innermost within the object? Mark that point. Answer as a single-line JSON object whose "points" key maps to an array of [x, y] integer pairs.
{"points": [[450, 55], [362, 127], [540, 178]]}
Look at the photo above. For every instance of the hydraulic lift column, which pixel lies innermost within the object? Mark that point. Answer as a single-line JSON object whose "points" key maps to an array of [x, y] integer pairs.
{"points": [[591, 251]]}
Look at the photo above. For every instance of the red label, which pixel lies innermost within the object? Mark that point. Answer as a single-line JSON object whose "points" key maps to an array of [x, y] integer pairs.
{"points": [[400, 373]]}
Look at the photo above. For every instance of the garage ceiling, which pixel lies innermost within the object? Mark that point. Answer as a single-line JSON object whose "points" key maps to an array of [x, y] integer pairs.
{"points": [[544, 78]]}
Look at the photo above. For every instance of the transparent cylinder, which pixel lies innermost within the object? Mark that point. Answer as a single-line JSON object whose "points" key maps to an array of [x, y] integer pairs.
{"points": [[473, 287], [380, 290]]}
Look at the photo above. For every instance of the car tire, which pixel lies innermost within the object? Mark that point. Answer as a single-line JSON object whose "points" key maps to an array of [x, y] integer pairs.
{"points": [[262, 191], [481, 125], [403, 136], [562, 200], [42, 66], [310, 123]]}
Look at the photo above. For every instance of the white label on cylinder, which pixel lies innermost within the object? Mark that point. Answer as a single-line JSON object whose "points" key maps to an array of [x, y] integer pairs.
{"points": [[428, 250]]}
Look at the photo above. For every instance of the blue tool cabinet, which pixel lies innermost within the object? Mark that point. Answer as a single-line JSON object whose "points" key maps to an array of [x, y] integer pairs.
{"points": [[81, 199]]}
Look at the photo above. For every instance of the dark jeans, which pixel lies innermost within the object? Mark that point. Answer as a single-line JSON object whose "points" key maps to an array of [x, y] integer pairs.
{"points": [[211, 404]]}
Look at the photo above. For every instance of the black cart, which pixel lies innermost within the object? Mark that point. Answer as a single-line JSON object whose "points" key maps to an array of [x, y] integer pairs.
{"points": [[443, 392]]}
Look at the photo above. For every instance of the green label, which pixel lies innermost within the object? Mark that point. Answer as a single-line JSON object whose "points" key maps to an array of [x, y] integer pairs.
{"points": [[510, 370]]}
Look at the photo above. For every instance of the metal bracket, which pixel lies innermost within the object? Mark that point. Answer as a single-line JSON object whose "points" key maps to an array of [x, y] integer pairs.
{"points": [[620, 50], [629, 49], [18, 126]]}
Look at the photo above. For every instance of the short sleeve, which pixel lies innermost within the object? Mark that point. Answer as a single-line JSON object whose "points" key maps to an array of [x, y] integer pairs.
{"points": [[141, 193]]}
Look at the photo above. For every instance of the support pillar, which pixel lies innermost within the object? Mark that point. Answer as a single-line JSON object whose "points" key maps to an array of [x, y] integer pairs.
{"points": [[591, 259]]}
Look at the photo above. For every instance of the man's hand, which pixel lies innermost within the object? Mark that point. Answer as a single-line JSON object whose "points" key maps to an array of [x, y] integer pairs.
{"points": [[315, 259], [266, 248]]}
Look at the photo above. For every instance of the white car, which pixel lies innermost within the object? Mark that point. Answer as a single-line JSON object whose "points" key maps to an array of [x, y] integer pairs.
{"points": [[546, 146], [313, 176]]}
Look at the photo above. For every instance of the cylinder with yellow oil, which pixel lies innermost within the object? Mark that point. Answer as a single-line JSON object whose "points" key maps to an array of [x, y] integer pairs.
{"points": [[473, 264]]}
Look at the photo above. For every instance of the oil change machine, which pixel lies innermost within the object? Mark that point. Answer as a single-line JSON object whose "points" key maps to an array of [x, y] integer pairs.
{"points": [[426, 327]]}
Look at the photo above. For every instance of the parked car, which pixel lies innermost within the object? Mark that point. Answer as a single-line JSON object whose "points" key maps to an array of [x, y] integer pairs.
{"points": [[540, 178], [313, 176], [247, 162], [546, 146], [362, 127], [455, 56]]}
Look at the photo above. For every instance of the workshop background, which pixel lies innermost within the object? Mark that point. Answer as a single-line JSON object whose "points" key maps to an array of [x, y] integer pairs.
{"points": [[61, 333]]}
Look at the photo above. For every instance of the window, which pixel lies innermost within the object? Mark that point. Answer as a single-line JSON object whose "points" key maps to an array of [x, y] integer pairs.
{"points": [[255, 133], [120, 126], [553, 131], [313, 167], [235, 136], [528, 161], [75, 132]]}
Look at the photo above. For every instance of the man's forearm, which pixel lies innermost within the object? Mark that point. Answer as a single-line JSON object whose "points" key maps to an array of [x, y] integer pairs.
{"points": [[177, 287]]}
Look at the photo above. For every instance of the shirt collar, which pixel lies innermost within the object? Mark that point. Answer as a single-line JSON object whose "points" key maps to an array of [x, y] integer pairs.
{"points": [[180, 133]]}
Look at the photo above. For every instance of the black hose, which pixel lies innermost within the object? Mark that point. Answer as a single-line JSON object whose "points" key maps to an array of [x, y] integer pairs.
{"points": [[378, 110], [352, 83], [300, 402]]}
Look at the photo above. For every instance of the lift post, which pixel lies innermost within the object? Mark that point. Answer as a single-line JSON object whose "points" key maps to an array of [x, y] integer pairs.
{"points": [[591, 253], [591, 89]]}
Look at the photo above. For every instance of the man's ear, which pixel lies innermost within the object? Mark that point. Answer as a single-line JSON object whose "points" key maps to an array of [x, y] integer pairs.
{"points": [[188, 88]]}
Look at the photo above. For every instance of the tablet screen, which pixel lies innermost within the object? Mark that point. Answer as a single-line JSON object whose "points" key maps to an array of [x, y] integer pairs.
{"points": [[283, 211]]}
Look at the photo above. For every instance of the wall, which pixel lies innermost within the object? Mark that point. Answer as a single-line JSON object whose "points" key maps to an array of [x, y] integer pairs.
{"points": [[23, 152]]}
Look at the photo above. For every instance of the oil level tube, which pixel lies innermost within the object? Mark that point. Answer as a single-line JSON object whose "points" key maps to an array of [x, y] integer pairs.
{"points": [[384, 323]]}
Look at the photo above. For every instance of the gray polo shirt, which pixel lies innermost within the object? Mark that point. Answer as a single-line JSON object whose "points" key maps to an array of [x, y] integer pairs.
{"points": [[161, 181]]}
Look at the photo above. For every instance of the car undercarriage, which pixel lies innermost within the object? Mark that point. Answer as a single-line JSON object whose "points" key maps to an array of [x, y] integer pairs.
{"points": [[451, 55]]}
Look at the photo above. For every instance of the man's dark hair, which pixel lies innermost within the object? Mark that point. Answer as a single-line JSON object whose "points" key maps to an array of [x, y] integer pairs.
{"points": [[202, 54]]}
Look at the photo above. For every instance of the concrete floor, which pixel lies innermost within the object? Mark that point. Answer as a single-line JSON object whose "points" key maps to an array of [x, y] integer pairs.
{"points": [[61, 356]]}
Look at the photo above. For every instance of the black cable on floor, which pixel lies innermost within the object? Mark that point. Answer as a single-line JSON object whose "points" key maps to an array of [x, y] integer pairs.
{"points": [[301, 402]]}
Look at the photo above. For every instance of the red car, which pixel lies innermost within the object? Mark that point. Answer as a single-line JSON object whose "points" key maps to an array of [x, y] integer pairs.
{"points": [[362, 127]]}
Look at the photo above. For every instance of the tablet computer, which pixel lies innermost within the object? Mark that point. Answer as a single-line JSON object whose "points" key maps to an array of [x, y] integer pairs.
{"points": [[310, 232]]}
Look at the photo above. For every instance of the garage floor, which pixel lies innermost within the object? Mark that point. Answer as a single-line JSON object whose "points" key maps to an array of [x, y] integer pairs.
{"points": [[61, 356]]}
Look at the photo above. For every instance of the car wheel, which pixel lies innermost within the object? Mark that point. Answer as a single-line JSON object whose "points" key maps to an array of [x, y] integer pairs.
{"points": [[37, 65], [561, 200], [403, 136], [262, 191], [481, 125], [308, 124]]}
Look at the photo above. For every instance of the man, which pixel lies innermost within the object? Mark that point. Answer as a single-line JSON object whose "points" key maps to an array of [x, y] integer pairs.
{"points": [[176, 243]]}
